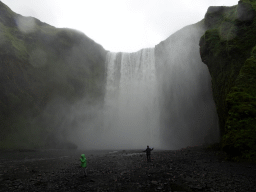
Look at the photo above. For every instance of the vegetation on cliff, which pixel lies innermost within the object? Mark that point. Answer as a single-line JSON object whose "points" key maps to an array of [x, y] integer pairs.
{"points": [[228, 49], [43, 72]]}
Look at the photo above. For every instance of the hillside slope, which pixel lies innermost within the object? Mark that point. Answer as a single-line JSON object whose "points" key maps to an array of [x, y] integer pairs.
{"points": [[44, 71]]}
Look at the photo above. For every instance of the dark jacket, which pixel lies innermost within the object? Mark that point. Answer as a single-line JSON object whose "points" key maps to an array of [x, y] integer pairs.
{"points": [[148, 150]]}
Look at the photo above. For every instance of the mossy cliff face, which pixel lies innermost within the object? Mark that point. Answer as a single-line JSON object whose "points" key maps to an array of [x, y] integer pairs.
{"points": [[228, 49], [44, 72]]}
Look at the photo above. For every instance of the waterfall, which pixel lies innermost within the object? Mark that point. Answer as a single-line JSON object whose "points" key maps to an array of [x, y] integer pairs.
{"points": [[158, 96], [131, 109]]}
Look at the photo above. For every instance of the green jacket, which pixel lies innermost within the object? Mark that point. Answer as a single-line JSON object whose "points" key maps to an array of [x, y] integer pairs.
{"points": [[83, 161]]}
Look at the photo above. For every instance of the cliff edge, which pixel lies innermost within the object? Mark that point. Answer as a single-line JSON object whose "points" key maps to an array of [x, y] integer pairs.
{"points": [[228, 48]]}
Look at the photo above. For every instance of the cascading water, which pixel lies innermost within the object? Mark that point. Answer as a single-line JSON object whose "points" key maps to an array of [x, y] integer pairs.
{"points": [[131, 110], [158, 96]]}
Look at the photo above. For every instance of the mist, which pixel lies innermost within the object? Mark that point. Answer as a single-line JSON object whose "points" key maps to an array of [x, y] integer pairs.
{"points": [[129, 117], [159, 97], [188, 113]]}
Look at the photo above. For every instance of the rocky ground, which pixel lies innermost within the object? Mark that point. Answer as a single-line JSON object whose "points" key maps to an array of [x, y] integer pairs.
{"points": [[190, 169]]}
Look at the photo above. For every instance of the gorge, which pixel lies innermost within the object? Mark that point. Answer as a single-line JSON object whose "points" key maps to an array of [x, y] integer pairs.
{"points": [[60, 89], [159, 96]]}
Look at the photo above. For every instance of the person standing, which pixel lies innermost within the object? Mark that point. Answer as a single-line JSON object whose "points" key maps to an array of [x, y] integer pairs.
{"points": [[148, 153], [84, 164]]}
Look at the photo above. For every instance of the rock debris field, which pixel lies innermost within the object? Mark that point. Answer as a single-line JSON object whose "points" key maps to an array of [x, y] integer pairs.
{"points": [[189, 169]]}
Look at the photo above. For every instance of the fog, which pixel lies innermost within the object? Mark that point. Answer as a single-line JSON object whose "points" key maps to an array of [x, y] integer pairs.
{"points": [[131, 110], [159, 97], [26, 24], [129, 117], [141, 24], [188, 111]]}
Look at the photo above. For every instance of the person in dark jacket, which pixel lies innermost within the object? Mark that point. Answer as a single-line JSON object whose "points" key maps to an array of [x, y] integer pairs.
{"points": [[148, 153]]}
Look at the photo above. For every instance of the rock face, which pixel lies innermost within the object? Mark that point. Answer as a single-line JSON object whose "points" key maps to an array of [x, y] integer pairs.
{"points": [[188, 113], [228, 49], [50, 78], [44, 73]]}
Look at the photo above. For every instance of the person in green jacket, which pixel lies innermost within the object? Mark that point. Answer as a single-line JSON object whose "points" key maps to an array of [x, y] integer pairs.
{"points": [[84, 164]]}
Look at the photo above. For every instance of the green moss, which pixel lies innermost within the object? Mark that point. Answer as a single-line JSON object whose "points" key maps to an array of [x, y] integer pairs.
{"points": [[240, 126], [12, 45], [250, 2], [228, 49]]}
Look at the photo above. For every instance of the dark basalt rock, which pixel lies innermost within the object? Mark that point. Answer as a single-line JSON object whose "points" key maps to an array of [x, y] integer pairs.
{"points": [[245, 12], [214, 15], [229, 54]]}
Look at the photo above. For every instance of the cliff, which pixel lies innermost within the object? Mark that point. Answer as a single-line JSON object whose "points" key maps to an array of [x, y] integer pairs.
{"points": [[51, 79], [228, 48], [188, 114], [44, 72]]}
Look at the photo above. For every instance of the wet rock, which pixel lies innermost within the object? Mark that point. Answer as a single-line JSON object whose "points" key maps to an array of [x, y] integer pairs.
{"points": [[123, 174], [90, 172], [154, 182]]}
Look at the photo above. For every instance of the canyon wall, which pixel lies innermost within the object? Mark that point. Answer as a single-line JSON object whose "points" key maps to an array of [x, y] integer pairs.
{"points": [[54, 81], [228, 49]]}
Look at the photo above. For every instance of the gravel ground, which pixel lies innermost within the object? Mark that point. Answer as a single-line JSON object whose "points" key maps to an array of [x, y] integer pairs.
{"points": [[190, 169]]}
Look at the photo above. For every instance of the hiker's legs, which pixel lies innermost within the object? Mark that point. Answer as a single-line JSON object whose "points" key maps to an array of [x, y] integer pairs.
{"points": [[85, 171], [148, 158]]}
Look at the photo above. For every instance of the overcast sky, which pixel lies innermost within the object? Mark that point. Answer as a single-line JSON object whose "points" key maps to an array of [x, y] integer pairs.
{"points": [[119, 25]]}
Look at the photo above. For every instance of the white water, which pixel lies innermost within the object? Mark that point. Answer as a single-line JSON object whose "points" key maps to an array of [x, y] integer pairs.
{"points": [[131, 109]]}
